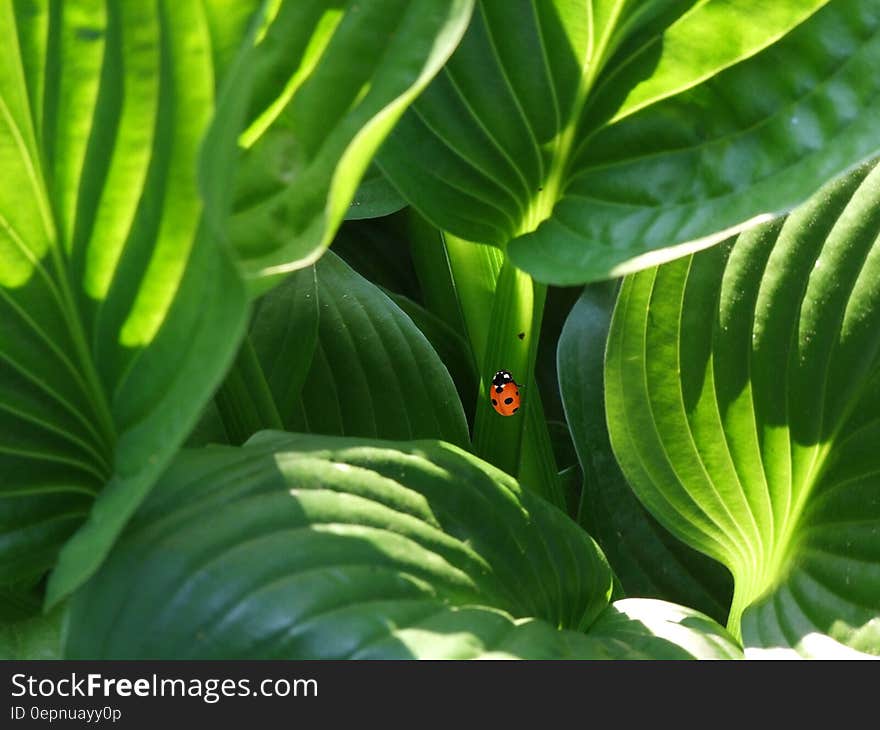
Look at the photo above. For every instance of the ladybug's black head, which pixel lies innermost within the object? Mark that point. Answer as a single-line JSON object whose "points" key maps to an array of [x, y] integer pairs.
{"points": [[502, 377]]}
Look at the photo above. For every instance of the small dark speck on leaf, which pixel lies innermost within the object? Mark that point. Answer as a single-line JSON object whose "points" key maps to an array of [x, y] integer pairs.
{"points": [[522, 335], [89, 34]]}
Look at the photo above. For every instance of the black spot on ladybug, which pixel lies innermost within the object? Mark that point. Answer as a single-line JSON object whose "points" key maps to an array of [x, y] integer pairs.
{"points": [[494, 402], [515, 409], [508, 401], [517, 392], [499, 388], [522, 335]]}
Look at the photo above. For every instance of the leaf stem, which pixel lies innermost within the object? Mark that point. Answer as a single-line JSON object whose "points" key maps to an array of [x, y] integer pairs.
{"points": [[503, 308]]}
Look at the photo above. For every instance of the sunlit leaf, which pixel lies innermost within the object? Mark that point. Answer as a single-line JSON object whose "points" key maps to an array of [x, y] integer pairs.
{"points": [[743, 393], [598, 138], [317, 547], [348, 69], [120, 313], [647, 559]]}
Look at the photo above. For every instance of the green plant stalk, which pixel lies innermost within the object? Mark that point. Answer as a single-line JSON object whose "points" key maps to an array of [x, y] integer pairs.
{"points": [[430, 259], [244, 400], [537, 462], [511, 344], [502, 308], [459, 281]]}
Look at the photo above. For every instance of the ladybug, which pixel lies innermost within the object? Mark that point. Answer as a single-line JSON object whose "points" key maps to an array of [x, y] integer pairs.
{"points": [[505, 393]]}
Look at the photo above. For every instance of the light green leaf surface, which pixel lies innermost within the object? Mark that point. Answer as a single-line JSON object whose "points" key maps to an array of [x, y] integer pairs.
{"points": [[316, 547], [348, 70], [598, 138], [120, 314], [647, 559], [743, 400], [652, 629]]}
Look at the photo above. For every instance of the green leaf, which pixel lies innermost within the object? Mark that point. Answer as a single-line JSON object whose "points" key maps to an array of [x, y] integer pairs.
{"points": [[647, 559], [317, 547], [450, 346], [600, 138], [348, 70], [36, 638], [743, 393], [652, 629], [559, 303], [209, 429], [120, 313], [375, 197], [244, 402], [438, 286], [284, 335], [411, 521], [19, 601], [372, 374]]}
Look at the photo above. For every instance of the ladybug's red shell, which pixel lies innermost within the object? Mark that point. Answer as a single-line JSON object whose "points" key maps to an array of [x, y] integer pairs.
{"points": [[504, 393]]}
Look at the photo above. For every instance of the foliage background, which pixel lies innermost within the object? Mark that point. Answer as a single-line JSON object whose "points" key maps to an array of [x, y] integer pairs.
{"points": [[258, 264]]}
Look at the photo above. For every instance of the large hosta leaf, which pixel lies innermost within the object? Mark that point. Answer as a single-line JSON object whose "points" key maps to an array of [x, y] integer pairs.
{"points": [[453, 349], [317, 547], [646, 558], [119, 313], [606, 136], [341, 358], [348, 70], [743, 397]]}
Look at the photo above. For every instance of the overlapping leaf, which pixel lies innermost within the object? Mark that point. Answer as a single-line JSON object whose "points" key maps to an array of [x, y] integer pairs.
{"points": [[316, 547], [500, 309], [646, 558], [121, 307], [119, 313], [602, 137], [450, 346], [743, 404], [346, 71], [375, 197], [341, 358]]}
